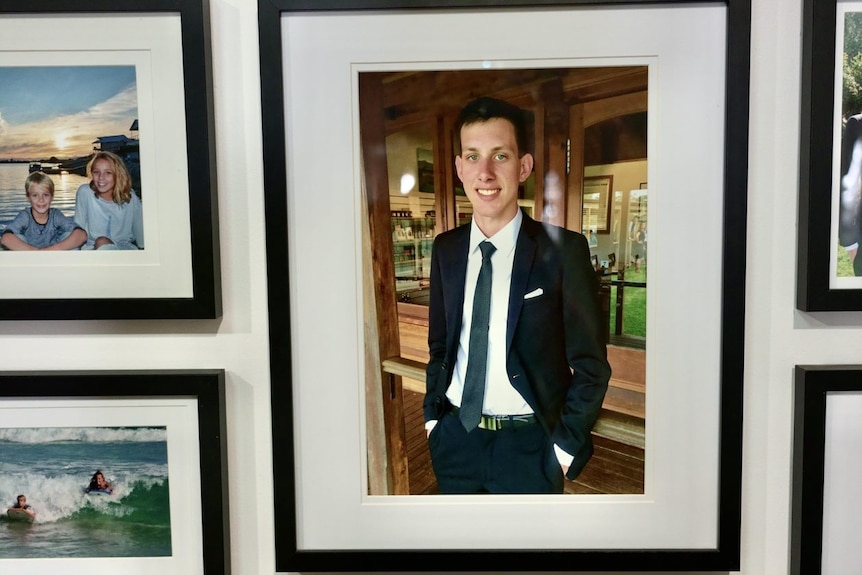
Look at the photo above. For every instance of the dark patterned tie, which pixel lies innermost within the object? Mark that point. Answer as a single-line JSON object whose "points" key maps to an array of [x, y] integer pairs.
{"points": [[474, 381]]}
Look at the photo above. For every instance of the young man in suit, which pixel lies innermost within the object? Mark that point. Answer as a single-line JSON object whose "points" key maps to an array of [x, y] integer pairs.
{"points": [[518, 367]]}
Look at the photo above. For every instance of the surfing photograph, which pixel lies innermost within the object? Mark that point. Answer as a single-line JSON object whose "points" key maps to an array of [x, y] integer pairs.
{"points": [[70, 169], [76, 492]]}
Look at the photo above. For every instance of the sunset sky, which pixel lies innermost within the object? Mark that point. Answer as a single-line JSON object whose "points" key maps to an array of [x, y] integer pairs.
{"points": [[60, 110]]}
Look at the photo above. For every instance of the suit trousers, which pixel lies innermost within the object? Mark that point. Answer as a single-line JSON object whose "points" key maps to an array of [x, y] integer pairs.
{"points": [[510, 460]]}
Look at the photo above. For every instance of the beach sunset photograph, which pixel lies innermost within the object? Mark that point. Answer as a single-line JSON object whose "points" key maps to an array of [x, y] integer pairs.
{"points": [[52, 120]]}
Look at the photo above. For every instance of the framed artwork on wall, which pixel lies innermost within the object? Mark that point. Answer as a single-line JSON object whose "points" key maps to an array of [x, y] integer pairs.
{"points": [[131, 105], [321, 348], [113, 472], [598, 192], [827, 436], [829, 276]]}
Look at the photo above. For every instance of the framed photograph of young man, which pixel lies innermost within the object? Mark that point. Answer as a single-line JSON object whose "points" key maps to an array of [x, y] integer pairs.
{"points": [[344, 122]]}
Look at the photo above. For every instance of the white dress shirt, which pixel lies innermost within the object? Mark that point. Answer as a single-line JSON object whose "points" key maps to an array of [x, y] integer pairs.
{"points": [[500, 397]]}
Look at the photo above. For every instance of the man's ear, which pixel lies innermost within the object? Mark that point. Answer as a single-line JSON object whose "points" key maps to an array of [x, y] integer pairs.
{"points": [[526, 167], [458, 168]]}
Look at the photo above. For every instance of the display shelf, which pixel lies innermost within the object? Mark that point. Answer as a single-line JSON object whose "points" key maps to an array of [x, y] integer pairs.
{"points": [[412, 240]]}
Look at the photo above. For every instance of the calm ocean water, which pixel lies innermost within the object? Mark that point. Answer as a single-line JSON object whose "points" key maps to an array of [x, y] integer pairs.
{"points": [[52, 466], [13, 200]]}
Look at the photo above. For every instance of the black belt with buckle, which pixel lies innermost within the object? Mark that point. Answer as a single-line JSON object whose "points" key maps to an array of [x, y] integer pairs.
{"points": [[497, 422]]}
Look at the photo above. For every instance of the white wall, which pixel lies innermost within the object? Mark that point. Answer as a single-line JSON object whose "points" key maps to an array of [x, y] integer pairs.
{"points": [[777, 336], [238, 342]]}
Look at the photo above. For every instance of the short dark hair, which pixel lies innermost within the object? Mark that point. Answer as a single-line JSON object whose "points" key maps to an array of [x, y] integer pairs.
{"points": [[487, 108]]}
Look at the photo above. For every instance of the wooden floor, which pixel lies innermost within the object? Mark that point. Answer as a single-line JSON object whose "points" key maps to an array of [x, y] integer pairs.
{"points": [[615, 467]]}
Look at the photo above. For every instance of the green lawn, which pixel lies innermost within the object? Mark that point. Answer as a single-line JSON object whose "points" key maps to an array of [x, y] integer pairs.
{"points": [[845, 266], [634, 305]]}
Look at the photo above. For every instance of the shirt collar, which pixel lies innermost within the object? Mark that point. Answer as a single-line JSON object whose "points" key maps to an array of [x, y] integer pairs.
{"points": [[504, 240]]}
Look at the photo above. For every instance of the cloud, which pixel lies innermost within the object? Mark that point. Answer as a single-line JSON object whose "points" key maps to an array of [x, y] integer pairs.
{"points": [[119, 106], [40, 139]]}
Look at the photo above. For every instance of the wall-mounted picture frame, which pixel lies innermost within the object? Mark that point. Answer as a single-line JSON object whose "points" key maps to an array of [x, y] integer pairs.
{"points": [[425, 170], [133, 102], [319, 329], [598, 192], [827, 436], [121, 471], [829, 276]]}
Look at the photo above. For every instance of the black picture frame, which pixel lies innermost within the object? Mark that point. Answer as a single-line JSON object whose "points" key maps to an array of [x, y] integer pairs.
{"points": [[205, 301], [288, 556], [206, 386], [814, 233], [813, 383]]}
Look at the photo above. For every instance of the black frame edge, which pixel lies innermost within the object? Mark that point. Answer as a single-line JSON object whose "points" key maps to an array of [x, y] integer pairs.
{"points": [[733, 278], [278, 280]]}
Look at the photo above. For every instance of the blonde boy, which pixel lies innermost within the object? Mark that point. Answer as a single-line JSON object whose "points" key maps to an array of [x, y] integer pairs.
{"points": [[41, 227]]}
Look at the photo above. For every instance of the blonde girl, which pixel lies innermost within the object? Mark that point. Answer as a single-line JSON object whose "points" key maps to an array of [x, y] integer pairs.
{"points": [[108, 208]]}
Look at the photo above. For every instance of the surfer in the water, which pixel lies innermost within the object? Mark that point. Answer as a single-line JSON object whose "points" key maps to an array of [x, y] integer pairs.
{"points": [[22, 505], [99, 483]]}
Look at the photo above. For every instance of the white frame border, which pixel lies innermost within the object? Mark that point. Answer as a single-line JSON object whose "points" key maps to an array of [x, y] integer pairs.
{"points": [[320, 497]]}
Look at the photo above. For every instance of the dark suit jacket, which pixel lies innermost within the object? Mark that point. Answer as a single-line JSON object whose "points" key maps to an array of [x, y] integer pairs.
{"points": [[556, 356]]}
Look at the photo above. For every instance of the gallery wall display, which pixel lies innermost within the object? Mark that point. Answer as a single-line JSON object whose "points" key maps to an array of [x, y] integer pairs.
{"points": [[688, 517], [115, 128], [113, 472], [829, 276], [827, 436]]}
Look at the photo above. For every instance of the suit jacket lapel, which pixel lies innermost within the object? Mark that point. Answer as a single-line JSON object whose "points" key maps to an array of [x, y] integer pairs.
{"points": [[455, 297], [525, 252]]}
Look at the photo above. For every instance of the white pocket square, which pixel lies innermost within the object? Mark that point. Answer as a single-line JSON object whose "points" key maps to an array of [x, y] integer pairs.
{"points": [[535, 293]]}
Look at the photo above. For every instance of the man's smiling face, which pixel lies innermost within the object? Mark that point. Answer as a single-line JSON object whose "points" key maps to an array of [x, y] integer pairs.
{"points": [[491, 171]]}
